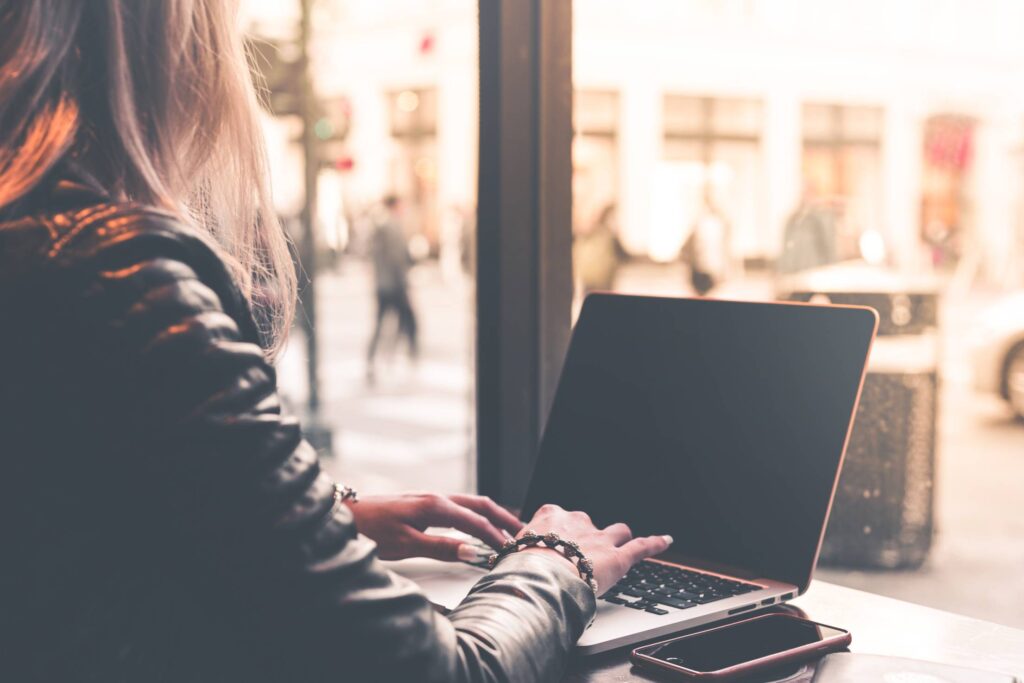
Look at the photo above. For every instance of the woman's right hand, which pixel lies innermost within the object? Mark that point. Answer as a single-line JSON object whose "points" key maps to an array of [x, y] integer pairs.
{"points": [[612, 550]]}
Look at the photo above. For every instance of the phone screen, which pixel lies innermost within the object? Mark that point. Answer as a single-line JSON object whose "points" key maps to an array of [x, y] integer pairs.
{"points": [[741, 642]]}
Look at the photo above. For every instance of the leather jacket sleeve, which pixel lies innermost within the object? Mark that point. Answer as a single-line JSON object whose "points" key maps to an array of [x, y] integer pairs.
{"points": [[241, 499]]}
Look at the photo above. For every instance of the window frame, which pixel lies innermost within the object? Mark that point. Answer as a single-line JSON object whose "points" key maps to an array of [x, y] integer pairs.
{"points": [[524, 233]]}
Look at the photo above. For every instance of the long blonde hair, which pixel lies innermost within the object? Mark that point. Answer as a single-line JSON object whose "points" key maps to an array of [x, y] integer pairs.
{"points": [[155, 98]]}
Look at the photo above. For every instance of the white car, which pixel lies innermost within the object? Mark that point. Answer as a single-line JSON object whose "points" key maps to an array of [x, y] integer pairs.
{"points": [[998, 351]]}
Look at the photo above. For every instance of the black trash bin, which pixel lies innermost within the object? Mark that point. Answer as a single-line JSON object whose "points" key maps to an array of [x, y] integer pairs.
{"points": [[883, 515]]}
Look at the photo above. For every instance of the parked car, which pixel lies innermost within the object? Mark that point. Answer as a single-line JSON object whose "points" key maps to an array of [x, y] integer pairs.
{"points": [[998, 351]]}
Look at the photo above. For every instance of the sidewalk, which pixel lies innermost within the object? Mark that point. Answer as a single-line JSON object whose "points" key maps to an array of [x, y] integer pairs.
{"points": [[413, 428]]}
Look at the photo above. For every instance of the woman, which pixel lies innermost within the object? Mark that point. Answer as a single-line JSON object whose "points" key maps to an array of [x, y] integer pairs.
{"points": [[162, 520]]}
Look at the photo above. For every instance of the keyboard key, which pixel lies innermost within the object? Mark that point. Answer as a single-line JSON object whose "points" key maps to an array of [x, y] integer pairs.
{"points": [[684, 595], [656, 610], [678, 604], [614, 599]]}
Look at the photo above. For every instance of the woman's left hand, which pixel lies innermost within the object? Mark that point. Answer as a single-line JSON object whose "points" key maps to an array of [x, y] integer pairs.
{"points": [[397, 523]]}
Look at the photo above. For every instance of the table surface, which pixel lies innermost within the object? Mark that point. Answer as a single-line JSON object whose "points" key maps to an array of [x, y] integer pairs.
{"points": [[880, 625]]}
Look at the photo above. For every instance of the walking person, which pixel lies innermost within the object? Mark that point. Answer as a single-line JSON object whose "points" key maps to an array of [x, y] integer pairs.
{"points": [[597, 253], [389, 256], [706, 251], [810, 237]]}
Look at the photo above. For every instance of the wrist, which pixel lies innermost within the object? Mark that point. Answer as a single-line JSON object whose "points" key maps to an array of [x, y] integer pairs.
{"points": [[555, 555], [569, 551]]}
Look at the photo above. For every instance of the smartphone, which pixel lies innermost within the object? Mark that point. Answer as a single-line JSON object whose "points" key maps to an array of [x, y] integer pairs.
{"points": [[742, 647]]}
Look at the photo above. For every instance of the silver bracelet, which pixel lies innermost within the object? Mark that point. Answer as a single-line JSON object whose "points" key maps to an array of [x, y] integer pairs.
{"points": [[344, 493], [569, 549]]}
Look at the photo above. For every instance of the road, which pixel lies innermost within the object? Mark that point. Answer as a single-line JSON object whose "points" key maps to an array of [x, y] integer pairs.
{"points": [[414, 430]]}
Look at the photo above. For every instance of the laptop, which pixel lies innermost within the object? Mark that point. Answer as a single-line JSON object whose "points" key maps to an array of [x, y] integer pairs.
{"points": [[720, 423]]}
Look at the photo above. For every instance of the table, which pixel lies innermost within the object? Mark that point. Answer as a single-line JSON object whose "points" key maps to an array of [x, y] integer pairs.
{"points": [[879, 625]]}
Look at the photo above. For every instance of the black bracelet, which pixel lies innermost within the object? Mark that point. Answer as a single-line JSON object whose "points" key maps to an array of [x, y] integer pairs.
{"points": [[569, 549]]}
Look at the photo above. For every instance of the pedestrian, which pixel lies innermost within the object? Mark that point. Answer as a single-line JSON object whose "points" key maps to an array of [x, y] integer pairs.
{"points": [[706, 250], [810, 239], [597, 253], [391, 261]]}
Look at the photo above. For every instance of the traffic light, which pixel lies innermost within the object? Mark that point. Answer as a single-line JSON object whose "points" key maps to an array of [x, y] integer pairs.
{"points": [[333, 118]]}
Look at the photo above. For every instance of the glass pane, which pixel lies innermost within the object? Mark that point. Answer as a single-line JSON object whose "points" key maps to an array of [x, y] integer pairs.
{"points": [[684, 115], [775, 150], [819, 122], [595, 112], [413, 112], [733, 116], [397, 94], [862, 123]]}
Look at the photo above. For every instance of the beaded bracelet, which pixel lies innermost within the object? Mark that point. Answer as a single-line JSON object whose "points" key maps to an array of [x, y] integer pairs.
{"points": [[551, 540], [343, 493]]}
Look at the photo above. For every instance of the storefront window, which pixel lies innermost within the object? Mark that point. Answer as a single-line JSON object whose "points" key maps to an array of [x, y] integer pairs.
{"points": [[413, 172], [396, 86], [595, 186], [946, 163], [842, 170], [713, 146]]}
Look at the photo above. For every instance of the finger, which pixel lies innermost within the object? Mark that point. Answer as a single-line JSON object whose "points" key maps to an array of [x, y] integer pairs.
{"points": [[644, 547], [467, 521], [443, 548], [619, 533], [499, 516]]}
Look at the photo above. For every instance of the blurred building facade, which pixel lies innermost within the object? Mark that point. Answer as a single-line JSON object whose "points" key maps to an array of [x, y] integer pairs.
{"points": [[767, 99], [908, 115]]}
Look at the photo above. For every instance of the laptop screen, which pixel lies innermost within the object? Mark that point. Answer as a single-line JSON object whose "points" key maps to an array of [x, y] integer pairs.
{"points": [[720, 423]]}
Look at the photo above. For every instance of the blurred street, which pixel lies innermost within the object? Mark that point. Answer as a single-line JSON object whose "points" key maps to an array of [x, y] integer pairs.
{"points": [[413, 430]]}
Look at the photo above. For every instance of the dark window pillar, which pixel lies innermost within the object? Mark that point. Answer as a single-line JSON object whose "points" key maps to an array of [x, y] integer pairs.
{"points": [[524, 232]]}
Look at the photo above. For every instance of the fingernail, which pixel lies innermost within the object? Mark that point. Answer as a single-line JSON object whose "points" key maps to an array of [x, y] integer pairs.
{"points": [[668, 539], [468, 553]]}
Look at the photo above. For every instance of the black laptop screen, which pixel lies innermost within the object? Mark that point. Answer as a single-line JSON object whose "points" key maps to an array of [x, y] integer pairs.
{"points": [[720, 423]]}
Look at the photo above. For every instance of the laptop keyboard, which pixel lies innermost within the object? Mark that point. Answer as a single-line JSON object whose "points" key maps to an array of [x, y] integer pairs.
{"points": [[653, 587]]}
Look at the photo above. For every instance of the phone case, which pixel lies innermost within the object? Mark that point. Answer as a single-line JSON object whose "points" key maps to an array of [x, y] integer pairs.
{"points": [[802, 653]]}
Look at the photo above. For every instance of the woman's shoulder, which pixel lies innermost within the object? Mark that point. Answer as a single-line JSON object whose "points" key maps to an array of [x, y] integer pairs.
{"points": [[74, 238], [109, 236], [71, 225], [99, 228]]}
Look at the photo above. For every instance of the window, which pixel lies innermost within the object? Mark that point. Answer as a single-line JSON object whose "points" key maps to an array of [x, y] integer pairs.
{"points": [[842, 165], [713, 146], [595, 152], [731, 148], [946, 162], [761, 143], [413, 172], [395, 85]]}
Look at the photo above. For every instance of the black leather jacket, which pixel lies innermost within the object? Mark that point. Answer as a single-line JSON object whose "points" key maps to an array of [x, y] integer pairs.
{"points": [[163, 521]]}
